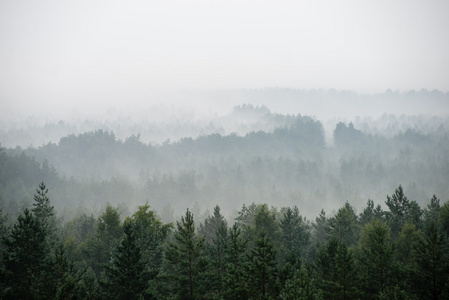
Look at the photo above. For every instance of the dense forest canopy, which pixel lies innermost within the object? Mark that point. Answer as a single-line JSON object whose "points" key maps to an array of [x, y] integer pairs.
{"points": [[263, 253], [283, 209]]}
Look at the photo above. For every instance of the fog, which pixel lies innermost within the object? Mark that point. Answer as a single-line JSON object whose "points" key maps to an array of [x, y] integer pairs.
{"points": [[58, 56], [205, 87]]}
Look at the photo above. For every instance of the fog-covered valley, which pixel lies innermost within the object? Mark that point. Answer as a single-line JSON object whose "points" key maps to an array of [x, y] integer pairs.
{"points": [[224, 149], [176, 158]]}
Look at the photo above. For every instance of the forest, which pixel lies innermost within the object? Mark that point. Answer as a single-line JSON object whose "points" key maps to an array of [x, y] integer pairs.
{"points": [[266, 252], [282, 209]]}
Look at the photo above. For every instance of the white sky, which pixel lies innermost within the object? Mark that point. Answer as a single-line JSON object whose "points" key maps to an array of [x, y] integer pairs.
{"points": [[74, 53]]}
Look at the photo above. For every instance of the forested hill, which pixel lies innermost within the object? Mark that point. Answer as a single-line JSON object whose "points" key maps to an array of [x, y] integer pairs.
{"points": [[289, 165]]}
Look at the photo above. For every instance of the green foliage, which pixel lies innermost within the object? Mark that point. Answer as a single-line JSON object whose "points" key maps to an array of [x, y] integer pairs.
{"points": [[96, 249], [401, 211], [377, 257], [215, 230], [344, 225], [126, 277], [295, 233], [185, 263], [336, 269], [24, 257], [444, 218], [42, 208], [432, 258], [261, 269], [235, 286]]}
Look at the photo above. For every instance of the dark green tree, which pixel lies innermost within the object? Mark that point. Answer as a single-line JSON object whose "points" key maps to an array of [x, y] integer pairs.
{"points": [[236, 261], [321, 228], [127, 276], [344, 225], [336, 270], [96, 250], [42, 208], [377, 257], [367, 214], [432, 211], [212, 225], [185, 264], [150, 235], [432, 258], [261, 269], [24, 257], [295, 234], [401, 211], [215, 230]]}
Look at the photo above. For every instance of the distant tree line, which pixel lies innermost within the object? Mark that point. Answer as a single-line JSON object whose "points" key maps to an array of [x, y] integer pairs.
{"points": [[290, 165], [263, 253]]}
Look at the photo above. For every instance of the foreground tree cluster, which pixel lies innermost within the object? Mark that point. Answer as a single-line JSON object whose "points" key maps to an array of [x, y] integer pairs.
{"points": [[267, 253]]}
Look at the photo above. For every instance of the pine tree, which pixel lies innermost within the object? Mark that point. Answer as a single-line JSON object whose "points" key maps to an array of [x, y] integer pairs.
{"points": [[261, 270], [376, 257], [126, 277], [24, 257], [399, 207], [212, 225], [344, 226], [236, 261], [96, 250], [295, 233], [42, 208], [432, 258], [185, 262]]}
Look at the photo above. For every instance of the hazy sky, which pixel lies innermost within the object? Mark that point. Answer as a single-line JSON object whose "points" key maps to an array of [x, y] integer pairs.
{"points": [[65, 53]]}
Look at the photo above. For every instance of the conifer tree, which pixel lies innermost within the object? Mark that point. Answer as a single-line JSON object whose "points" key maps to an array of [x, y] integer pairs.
{"points": [[261, 270], [344, 226], [432, 258], [24, 257], [295, 233], [399, 207], [42, 208], [127, 276], [377, 257], [236, 261], [185, 262]]}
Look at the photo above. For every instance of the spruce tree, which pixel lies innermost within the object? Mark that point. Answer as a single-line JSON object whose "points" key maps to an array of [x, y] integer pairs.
{"points": [[399, 206], [377, 257], [126, 277], [432, 258], [236, 261], [295, 233], [261, 269], [185, 262], [42, 208], [24, 257], [343, 225]]}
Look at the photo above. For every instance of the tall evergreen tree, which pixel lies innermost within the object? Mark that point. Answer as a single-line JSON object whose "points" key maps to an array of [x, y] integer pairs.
{"points": [[336, 270], [236, 261], [185, 262], [321, 228], [295, 233], [344, 225], [432, 258], [42, 208], [24, 257], [212, 225], [262, 271], [376, 257], [127, 276], [96, 250], [399, 207]]}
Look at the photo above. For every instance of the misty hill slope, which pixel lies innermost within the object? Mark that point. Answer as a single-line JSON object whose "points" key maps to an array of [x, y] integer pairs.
{"points": [[290, 165]]}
